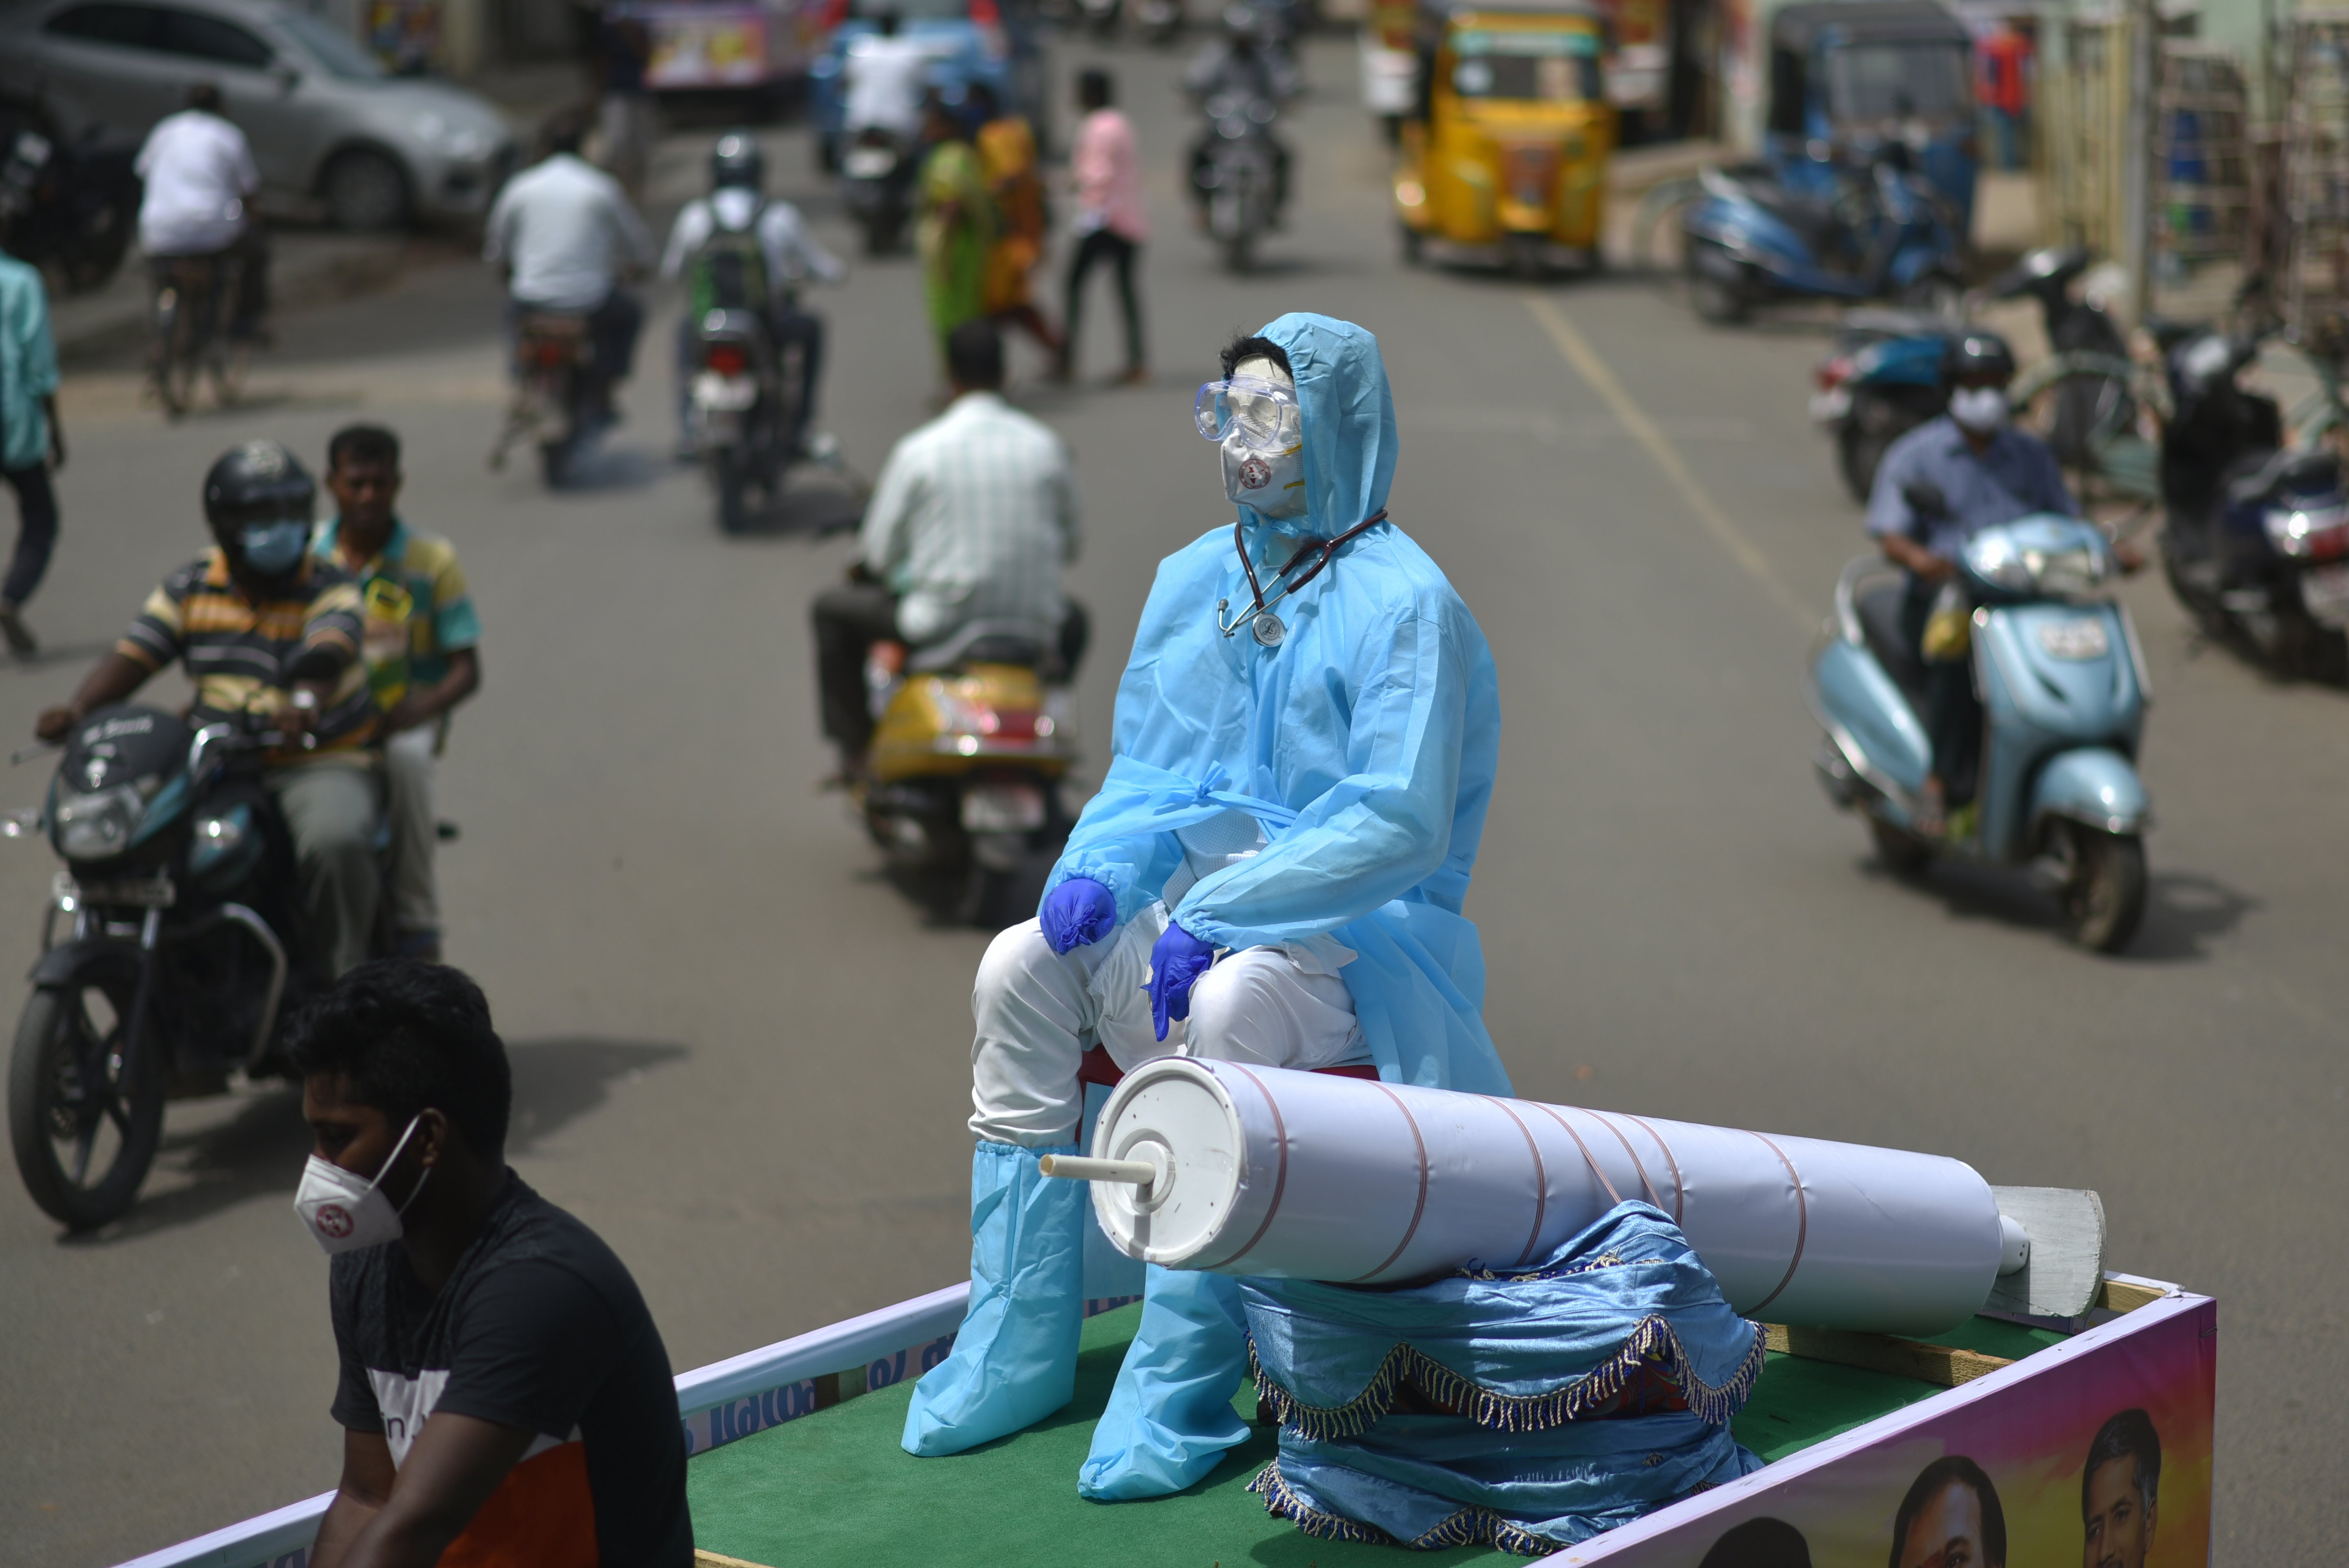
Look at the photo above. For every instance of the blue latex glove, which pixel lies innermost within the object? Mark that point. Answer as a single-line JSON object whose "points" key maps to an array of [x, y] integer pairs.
{"points": [[1076, 914], [1177, 962]]}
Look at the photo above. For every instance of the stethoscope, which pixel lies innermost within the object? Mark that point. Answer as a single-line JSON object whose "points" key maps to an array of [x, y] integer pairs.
{"points": [[1263, 625]]}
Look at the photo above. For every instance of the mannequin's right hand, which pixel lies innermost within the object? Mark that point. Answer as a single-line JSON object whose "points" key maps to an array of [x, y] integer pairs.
{"points": [[54, 722], [1076, 914]]}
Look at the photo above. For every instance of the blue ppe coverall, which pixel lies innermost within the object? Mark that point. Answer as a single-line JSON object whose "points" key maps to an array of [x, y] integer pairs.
{"points": [[1366, 744]]}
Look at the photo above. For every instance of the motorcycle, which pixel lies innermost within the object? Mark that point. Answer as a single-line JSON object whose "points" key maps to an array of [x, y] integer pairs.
{"points": [[184, 956], [189, 315], [68, 210], [877, 187], [745, 416], [558, 401], [2255, 533], [2063, 686], [1881, 380], [969, 753], [1886, 233], [1237, 175], [2092, 401]]}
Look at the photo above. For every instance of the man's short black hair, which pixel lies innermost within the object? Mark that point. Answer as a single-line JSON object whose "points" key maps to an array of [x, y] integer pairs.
{"points": [[1248, 346], [974, 355], [1935, 1478], [2127, 1436], [565, 130], [887, 22], [1760, 1543], [362, 444], [1094, 87], [406, 1038], [204, 97]]}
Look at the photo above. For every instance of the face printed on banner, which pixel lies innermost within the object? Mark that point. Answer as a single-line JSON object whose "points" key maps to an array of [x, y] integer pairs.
{"points": [[1948, 1533], [2120, 1519]]}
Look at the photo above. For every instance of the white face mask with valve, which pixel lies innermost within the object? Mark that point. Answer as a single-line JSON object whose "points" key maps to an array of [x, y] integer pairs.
{"points": [[1263, 444], [345, 1212], [1981, 410]]}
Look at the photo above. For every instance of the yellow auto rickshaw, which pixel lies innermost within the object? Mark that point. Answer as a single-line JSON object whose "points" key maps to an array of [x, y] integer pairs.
{"points": [[1505, 159]]}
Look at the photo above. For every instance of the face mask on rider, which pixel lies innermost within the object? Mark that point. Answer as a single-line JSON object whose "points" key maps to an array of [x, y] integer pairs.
{"points": [[1981, 410], [344, 1212], [274, 549], [1268, 478]]}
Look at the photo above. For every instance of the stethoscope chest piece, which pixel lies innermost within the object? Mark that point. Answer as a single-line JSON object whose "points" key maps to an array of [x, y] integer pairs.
{"points": [[1267, 629]]}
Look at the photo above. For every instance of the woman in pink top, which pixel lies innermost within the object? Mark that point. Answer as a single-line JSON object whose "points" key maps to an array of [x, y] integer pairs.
{"points": [[1112, 221]]}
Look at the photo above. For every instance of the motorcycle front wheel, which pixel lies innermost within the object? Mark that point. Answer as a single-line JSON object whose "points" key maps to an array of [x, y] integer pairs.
{"points": [[82, 1137], [2104, 900]]}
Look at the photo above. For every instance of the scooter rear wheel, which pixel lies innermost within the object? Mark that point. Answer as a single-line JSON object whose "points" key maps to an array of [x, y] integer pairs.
{"points": [[1904, 854]]}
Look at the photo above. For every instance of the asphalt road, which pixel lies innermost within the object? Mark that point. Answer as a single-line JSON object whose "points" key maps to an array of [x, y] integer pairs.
{"points": [[740, 1056]]}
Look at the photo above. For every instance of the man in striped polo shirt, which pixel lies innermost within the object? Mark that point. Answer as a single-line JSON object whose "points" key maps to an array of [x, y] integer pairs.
{"points": [[973, 518], [264, 629]]}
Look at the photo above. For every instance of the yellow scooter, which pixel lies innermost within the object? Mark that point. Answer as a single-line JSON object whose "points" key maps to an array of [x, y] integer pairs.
{"points": [[963, 789]]}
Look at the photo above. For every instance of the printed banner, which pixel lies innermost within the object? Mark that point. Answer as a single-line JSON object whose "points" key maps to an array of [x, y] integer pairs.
{"points": [[2101, 1458]]}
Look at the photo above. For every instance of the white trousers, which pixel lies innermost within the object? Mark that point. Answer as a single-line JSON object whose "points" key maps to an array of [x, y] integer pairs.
{"points": [[1036, 1011]]}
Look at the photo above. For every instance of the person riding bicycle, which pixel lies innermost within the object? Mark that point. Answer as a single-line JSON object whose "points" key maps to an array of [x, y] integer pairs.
{"points": [[264, 629], [201, 181], [737, 248]]}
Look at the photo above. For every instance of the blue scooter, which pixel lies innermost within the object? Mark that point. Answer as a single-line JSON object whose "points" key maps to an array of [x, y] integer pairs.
{"points": [[1886, 234], [2063, 686]]}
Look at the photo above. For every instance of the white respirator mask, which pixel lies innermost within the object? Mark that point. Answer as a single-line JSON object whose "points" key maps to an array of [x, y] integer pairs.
{"points": [[1253, 417], [345, 1212], [1981, 410]]}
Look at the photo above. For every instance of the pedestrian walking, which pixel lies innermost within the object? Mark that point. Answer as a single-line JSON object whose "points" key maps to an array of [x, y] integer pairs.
{"points": [[1007, 152], [32, 441], [624, 111], [1111, 223], [955, 230]]}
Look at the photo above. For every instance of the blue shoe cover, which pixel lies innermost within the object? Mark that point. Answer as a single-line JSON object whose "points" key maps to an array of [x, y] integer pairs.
{"points": [[1170, 1417], [1015, 1358]]}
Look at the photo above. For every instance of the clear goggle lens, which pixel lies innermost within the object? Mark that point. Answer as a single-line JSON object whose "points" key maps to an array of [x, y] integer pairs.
{"points": [[1263, 412]]}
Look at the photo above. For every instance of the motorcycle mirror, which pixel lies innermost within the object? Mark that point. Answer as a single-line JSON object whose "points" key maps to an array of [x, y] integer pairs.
{"points": [[1925, 498]]}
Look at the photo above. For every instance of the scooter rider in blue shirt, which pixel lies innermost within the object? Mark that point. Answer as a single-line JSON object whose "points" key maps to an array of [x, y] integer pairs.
{"points": [[1938, 486], [1273, 872]]}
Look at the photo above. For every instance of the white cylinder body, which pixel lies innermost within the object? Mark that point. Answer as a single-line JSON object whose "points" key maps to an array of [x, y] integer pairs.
{"points": [[1311, 1176]]}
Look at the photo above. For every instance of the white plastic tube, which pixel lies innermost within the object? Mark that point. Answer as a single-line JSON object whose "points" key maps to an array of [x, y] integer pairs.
{"points": [[1312, 1176]]}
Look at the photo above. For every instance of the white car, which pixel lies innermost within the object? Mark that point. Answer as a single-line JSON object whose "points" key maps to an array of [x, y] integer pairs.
{"points": [[327, 121]]}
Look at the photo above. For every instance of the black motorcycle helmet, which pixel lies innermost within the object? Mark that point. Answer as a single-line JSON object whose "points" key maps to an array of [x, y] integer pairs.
{"points": [[259, 481], [737, 161], [1977, 355]]}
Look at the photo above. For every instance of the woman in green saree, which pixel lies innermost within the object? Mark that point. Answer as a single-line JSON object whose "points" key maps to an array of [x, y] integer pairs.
{"points": [[954, 231]]}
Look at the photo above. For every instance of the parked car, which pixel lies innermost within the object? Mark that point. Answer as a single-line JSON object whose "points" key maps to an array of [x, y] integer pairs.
{"points": [[991, 41], [327, 121]]}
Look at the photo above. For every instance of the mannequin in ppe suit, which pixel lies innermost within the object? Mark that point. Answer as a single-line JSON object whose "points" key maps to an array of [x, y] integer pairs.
{"points": [[1273, 872]]}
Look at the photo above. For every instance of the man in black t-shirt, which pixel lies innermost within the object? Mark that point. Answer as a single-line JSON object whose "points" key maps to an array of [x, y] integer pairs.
{"points": [[504, 1397]]}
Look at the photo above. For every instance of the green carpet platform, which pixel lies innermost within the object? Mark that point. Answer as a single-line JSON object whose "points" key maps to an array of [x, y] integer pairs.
{"points": [[833, 1487]]}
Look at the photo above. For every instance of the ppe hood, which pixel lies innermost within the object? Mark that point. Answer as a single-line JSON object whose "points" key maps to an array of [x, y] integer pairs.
{"points": [[1349, 424]]}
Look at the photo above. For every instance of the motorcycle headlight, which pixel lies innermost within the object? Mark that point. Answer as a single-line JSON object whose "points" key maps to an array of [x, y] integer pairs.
{"points": [[98, 826]]}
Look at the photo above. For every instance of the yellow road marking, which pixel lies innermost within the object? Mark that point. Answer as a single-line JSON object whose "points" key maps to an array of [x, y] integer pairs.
{"points": [[1596, 373]]}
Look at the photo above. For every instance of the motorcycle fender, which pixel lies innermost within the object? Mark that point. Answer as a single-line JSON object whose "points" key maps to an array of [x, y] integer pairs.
{"points": [[1869, 719], [67, 959], [2094, 785]]}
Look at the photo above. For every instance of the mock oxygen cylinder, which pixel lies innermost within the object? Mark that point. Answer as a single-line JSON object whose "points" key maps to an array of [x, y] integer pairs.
{"points": [[1260, 1170]]}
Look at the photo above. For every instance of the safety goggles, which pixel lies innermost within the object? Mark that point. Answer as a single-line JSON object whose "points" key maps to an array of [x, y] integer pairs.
{"points": [[1265, 413]]}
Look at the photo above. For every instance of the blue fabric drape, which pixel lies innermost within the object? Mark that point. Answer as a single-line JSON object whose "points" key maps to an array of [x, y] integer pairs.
{"points": [[1557, 1384]]}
